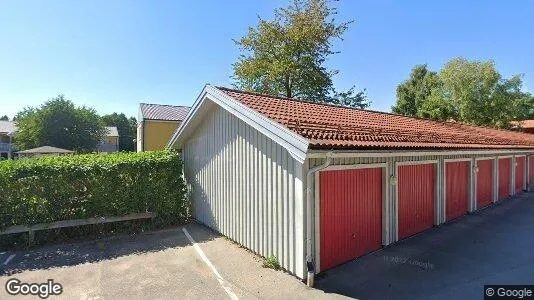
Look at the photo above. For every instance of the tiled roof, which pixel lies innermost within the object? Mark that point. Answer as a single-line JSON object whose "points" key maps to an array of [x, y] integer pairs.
{"points": [[524, 123], [7, 127], [45, 150], [163, 112], [334, 127], [112, 131]]}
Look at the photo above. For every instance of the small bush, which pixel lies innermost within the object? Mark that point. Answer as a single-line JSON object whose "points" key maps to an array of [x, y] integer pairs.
{"points": [[56, 188], [271, 263]]}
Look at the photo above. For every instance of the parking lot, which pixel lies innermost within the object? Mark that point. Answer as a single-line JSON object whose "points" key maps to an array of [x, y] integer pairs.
{"points": [[454, 261], [155, 265]]}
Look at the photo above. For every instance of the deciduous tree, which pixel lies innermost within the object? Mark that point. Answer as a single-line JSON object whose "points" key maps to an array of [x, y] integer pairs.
{"points": [[472, 92], [286, 56], [127, 130], [412, 93], [59, 123]]}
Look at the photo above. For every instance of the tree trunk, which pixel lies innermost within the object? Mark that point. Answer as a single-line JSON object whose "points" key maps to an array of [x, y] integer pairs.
{"points": [[287, 84]]}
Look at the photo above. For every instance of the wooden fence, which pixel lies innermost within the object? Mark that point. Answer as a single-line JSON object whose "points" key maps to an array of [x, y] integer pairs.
{"points": [[71, 223]]}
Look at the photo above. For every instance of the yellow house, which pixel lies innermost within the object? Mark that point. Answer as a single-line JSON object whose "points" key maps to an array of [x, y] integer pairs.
{"points": [[156, 124], [110, 142]]}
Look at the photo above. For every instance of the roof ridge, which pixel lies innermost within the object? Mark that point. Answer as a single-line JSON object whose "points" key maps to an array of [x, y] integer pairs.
{"points": [[164, 104], [361, 109]]}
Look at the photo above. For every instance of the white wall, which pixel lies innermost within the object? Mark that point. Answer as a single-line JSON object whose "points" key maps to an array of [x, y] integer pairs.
{"points": [[247, 187], [140, 137]]}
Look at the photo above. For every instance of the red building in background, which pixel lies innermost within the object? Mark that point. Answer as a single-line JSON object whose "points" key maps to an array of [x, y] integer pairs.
{"points": [[526, 126]]}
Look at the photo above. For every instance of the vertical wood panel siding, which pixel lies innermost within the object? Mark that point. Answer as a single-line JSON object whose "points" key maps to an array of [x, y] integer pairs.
{"points": [[456, 189], [485, 168], [417, 198], [350, 214], [505, 168], [484, 183], [519, 173], [247, 187]]}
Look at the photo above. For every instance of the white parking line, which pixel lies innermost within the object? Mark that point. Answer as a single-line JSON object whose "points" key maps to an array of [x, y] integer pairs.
{"points": [[222, 282], [9, 259]]}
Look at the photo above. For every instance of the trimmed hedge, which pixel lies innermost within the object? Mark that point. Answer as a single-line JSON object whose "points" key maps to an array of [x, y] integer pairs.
{"points": [[48, 189]]}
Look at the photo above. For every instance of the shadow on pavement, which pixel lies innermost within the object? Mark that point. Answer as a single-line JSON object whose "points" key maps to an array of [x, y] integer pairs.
{"points": [[70, 254], [453, 261]]}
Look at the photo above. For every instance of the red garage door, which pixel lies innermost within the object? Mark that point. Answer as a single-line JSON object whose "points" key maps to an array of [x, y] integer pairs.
{"points": [[484, 182], [456, 188], [351, 214], [505, 166], [417, 193], [531, 171], [519, 173]]}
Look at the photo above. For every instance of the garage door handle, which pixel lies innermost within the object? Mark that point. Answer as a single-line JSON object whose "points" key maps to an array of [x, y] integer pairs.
{"points": [[353, 236]]}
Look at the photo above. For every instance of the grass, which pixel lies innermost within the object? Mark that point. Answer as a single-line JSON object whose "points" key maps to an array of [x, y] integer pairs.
{"points": [[271, 263]]}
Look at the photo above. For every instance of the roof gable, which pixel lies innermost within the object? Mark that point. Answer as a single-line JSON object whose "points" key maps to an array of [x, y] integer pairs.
{"points": [[336, 127], [7, 127], [296, 145], [163, 112], [112, 131]]}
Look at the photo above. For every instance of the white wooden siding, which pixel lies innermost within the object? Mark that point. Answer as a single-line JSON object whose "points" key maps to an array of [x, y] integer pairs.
{"points": [[247, 187], [391, 162]]}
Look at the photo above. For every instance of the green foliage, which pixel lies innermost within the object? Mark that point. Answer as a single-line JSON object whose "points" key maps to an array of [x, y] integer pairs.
{"points": [[48, 189], [127, 128], [286, 56], [59, 123], [4, 118], [271, 263], [413, 93], [471, 92]]}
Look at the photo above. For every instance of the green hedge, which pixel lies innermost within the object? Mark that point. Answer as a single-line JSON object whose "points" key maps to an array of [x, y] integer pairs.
{"points": [[48, 189]]}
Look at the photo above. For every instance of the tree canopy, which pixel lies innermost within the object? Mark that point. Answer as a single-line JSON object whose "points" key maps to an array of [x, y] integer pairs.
{"points": [[412, 93], [286, 56], [4, 118], [472, 92], [59, 123], [126, 127]]}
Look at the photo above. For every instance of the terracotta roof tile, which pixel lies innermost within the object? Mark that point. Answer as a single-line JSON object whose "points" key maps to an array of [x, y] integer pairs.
{"points": [[329, 126], [524, 124]]}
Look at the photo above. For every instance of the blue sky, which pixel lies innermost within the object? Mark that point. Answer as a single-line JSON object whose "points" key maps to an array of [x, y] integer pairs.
{"points": [[111, 55]]}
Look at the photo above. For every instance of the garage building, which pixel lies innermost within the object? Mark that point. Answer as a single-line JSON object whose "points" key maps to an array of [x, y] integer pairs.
{"points": [[317, 185]]}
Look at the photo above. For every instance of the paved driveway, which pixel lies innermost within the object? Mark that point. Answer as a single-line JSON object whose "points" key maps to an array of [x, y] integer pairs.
{"points": [[494, 246], [454, 261], [154, 265]]}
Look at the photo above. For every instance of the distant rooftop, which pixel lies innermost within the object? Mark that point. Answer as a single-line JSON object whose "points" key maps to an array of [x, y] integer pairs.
{"points": [[45, 150], [112, 131], [7, 127], [523, 124], [163, 112]]}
